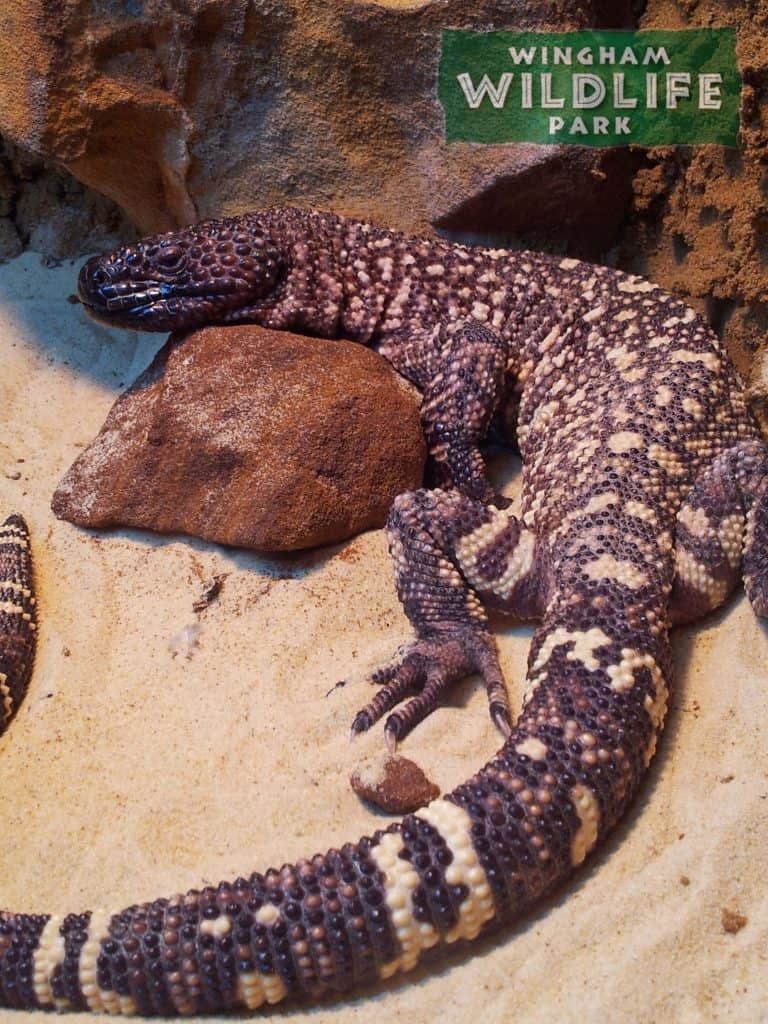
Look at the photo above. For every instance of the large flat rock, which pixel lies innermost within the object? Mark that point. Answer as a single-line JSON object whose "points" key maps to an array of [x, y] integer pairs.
{"points": [[253, 438]]}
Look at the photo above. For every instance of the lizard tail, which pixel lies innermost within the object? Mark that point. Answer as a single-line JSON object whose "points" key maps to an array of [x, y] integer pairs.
{"points": [[18, 620], [474, 858]]}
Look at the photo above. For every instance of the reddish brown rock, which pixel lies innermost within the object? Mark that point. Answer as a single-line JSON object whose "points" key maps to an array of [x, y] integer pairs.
{"points": [[393, 783], [731, 921], [253, 438]]}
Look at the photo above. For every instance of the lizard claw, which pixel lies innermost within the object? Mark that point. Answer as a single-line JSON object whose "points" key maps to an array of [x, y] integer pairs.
{"points": [[430, 666], [362, 723], [501, 719], [390, 738]]}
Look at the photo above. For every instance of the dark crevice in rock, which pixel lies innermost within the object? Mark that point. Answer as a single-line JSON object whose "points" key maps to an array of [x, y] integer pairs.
{"points": [[43, 208], [719, 312], [574, 203]]}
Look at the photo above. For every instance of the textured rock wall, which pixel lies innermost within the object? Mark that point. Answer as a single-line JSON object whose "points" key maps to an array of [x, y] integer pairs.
{"points": [[44, 208], [699, 218], [208, 107]]}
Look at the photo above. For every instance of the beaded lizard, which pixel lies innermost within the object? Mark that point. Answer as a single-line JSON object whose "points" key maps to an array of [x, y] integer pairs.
{"points": [[644, 501]]}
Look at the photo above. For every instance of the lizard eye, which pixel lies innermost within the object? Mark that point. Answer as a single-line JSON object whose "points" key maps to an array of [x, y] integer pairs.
{"points": [[170, 257]]}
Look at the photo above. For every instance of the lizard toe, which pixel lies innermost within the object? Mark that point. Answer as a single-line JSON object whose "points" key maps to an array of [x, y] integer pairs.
{"points": [[430, 666], [402, 680]]}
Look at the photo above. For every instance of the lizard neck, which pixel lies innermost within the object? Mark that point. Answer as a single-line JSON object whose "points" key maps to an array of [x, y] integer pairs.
{"points": [[309, 297], [396, 287], [348, 278]]}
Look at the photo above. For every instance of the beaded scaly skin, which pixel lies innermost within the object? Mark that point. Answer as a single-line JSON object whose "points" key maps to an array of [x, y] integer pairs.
{"points": [[18, 618], [644, 502]]}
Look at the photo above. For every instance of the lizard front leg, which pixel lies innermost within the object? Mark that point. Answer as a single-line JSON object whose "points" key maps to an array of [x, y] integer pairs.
{"points": [[461, 369], [448, 551]]}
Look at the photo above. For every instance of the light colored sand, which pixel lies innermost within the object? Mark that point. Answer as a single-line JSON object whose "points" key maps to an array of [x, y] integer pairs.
{"points": [[130, 773]]}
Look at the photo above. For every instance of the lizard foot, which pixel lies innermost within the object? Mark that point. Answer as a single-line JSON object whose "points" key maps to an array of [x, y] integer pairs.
{"points": [[430, 666]]}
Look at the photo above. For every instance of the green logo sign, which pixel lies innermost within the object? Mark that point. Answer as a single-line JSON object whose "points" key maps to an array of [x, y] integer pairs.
{"points": [[591, 88]]}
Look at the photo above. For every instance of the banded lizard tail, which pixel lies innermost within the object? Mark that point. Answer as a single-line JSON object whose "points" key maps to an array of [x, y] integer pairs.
{"points": [[644, 502]]}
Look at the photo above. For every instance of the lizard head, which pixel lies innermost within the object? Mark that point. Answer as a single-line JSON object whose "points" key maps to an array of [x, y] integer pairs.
{"points": [[213, 272]]}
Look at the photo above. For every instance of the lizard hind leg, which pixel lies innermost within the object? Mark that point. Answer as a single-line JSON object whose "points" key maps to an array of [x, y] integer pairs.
{"points": [[752, 473], [709, 538], [722, 532], [448, 548]]}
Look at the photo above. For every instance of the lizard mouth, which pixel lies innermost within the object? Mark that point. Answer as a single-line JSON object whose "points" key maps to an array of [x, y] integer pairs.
{"points": [[124, 301], [118, 306], [143, 311], [115, 299], [154, 306]]}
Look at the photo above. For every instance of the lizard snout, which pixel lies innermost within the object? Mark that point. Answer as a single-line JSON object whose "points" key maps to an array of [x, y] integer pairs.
{"points": [[93, 277]]}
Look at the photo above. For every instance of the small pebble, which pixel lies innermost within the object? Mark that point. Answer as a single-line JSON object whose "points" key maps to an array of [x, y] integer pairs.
{"points": [[394, 784], [732, 922], [211, 590]]}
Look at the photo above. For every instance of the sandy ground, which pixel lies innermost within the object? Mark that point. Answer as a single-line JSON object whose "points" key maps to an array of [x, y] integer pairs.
{"points": [[134, 770]]}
